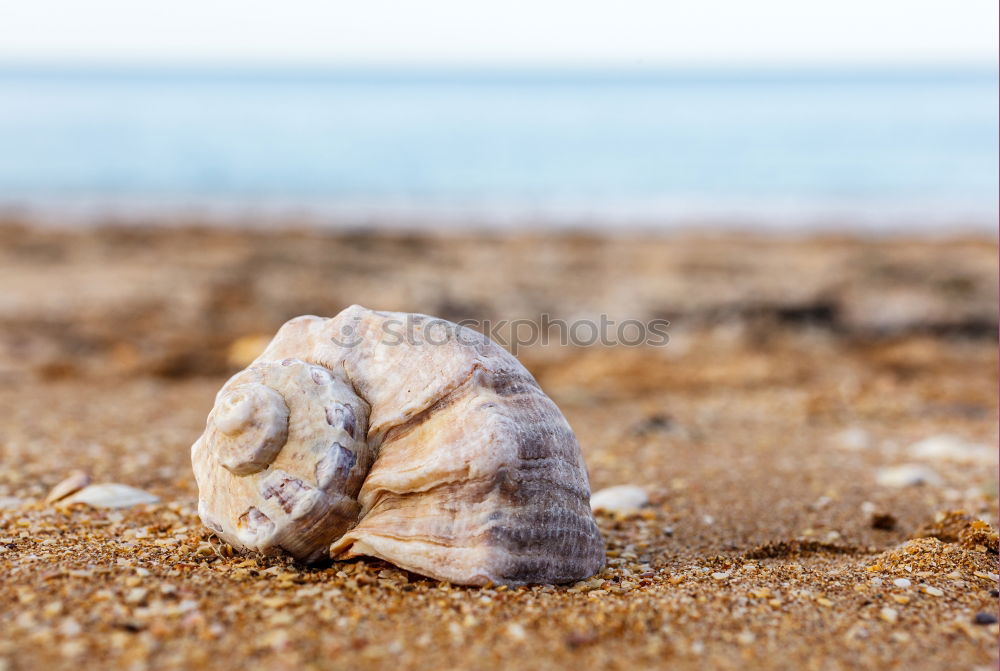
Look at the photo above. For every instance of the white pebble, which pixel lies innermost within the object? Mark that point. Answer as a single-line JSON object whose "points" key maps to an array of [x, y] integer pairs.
{"points": [[901, 582], [136, 595], [516, 631], [933, 591], [70, 628]]}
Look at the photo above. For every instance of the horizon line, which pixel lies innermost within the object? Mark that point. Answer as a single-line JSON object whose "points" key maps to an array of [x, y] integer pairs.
{"points": [[445, 72]]}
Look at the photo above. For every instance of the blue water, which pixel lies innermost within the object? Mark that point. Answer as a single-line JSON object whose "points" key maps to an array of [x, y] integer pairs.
{"points": [[671, 145]]}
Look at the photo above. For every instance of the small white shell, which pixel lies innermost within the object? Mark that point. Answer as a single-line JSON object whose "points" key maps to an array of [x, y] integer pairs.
{"points": [[621, 499], [946, 447], [72, 483], [109, 495], [907, 475]]}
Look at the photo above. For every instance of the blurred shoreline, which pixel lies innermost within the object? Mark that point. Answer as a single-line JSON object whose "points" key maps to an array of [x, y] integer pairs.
{"points": [[654, 219]]}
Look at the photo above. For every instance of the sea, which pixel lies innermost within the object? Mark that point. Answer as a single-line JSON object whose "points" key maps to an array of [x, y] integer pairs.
{"points": [[875, 149]]}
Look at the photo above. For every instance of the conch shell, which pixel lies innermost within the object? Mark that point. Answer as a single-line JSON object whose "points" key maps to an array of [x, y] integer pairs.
{"points": [[402, 437]]}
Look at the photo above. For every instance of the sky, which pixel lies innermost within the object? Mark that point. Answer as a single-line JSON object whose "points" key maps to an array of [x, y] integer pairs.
{"points": [[639, 33]]}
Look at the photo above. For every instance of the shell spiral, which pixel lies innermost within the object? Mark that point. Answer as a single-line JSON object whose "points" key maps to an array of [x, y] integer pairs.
{"points": [[401, 437]]}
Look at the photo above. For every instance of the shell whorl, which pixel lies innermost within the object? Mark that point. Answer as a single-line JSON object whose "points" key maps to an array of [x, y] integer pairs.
{"points": [[463, 469], [252, 424], [282, 459]]}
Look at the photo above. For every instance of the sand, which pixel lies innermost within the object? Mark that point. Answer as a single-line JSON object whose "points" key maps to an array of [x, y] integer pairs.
{"points": [[800, 372]]}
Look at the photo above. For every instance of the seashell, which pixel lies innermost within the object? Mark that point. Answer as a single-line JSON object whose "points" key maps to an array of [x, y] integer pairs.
{"points": [[435, 450], [109, 495], [907, 475], [620, 499], [946, 447], [74, 482]]}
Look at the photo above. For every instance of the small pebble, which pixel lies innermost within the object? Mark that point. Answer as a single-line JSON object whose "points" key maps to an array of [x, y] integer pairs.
{"points": [[821, 502], [854, 438], [516, 631], [901, 582], [933, 591], [136, 595], [985, 618], [883, 521]]}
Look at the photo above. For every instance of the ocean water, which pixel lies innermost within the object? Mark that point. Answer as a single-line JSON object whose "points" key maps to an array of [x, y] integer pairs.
{"points": [[883, 148]]}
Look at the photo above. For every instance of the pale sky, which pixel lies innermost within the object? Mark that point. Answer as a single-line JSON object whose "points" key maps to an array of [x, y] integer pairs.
{"points": [[644, 33]]}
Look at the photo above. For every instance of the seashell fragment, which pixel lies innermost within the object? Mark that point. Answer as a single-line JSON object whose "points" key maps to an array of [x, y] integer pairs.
{"points": [[907, 475], [109, 495], [74, 482], [443, 457], [946, 447], [620, 500]]}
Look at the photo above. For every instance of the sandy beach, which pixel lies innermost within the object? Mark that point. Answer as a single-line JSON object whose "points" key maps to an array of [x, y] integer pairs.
{"points": [[818, 440]]}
